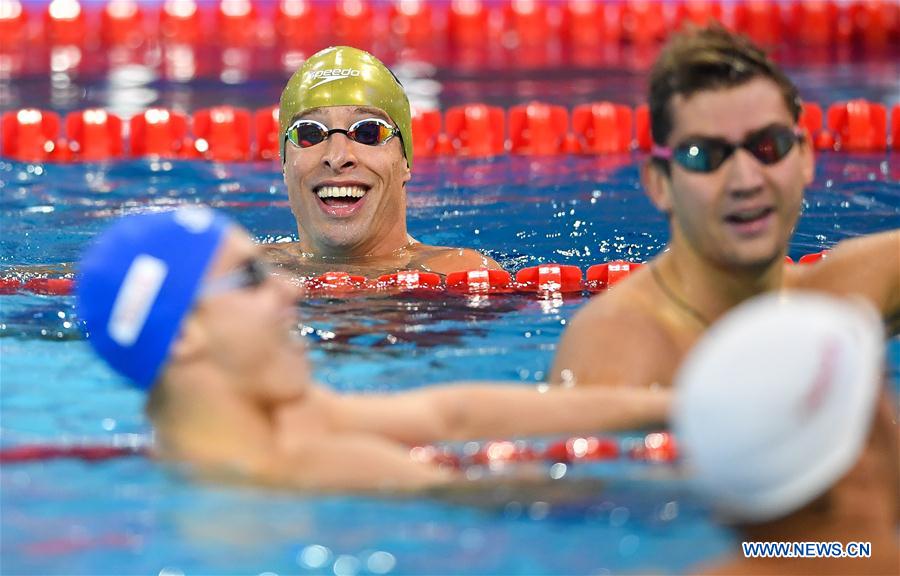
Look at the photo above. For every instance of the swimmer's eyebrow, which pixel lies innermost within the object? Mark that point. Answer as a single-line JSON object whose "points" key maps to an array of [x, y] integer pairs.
{"points": [[359, 110], [370, 111]]}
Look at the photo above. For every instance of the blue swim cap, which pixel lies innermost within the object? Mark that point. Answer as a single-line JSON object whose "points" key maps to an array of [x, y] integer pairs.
{"points": [[138, 281]]}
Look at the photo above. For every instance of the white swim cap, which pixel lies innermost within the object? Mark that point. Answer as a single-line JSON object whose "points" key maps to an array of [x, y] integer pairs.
{"points": [[775, 402]]}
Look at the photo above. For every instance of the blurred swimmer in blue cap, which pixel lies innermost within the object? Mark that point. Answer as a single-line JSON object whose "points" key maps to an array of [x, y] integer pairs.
{"points": [[180, 304]]}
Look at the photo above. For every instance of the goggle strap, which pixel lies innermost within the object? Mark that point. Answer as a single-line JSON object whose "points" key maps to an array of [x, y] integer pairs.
{"points": [[661, 152]]}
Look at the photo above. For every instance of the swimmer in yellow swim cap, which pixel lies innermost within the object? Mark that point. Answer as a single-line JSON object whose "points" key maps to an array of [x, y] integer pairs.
{"points": [[346, 149]]}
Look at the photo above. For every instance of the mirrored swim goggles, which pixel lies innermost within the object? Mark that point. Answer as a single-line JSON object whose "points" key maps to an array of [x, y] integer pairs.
{"points": [[251, 273], [699, 154], [371, 132]]}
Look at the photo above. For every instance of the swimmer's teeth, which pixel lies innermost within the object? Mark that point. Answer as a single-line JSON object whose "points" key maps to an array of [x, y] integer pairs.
{"points": [[748, 216], [341, 192]]}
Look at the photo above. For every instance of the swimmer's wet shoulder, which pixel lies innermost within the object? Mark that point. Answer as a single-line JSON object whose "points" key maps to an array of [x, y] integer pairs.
{"points": [[627, 336], [413, 256], [868, 267]]}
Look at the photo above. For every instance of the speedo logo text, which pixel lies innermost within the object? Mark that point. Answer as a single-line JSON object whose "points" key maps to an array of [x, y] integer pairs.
{"points": [[325, 76]]}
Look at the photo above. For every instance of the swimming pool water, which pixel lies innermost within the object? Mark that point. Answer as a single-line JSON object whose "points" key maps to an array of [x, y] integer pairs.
{"points": [[134, 516]]}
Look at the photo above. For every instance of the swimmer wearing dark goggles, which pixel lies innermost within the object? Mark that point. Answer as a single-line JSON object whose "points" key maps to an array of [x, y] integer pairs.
{"points": [[371, 131], [251, 273], [700, 154]]}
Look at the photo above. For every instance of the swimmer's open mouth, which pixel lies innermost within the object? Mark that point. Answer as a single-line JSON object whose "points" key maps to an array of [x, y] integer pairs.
{"points": [[341, 195], [746, 216]]}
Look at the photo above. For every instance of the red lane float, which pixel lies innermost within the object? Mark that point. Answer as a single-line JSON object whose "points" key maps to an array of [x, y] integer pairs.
{"points": [[122, 24], [222, 133], [268, 143], [412, 21], [467, 23], [589, 448], [528, 22], [179, 22], [49, 286], [351, 22], [588, 23], [812, 258], [858, 126], [480, 281], [476, 130], [236, 22], [94, 135], [338, 283], [543, 278], [811, 121], [659, 447], [602, 276], [549, 278], [759, 20], [874, 22], [42, 453], [161, 133], [29, 135], [697, 13], [43, 286], [427, 138], [411, 280], [604, 127], [295, 23], [654, 447], [13, 23], [813, 22], [895, 127], [65, 23], [538, 129], [644, 22], [10, 285], [501, 452], [642, 132], [229, 134]]}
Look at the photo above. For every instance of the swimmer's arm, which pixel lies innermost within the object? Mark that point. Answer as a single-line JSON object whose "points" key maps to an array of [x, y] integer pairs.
{"points": [[867, 266], [464, 411], [355, 462]]}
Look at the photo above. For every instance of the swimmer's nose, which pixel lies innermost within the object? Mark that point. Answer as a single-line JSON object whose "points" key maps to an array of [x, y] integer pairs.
{"points": [[745, 174], [338, 154]]}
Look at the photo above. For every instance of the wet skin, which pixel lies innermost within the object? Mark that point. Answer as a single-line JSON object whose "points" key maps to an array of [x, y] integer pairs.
{"points": [[363, 229], [730, 230]]}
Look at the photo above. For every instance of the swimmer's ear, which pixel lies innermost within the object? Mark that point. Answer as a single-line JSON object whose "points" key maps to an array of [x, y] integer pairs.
{"points": [[407, 174], [190, 342], [657, 185]]}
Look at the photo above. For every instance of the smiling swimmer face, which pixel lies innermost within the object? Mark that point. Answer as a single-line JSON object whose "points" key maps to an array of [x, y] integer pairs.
{"points": [[348, 198]]}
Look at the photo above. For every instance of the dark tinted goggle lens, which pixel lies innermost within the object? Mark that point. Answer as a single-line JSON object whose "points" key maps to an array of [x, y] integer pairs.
{"points": [[371, 132], [769, 146], [255, 273], [306, 134], [252, 273]]}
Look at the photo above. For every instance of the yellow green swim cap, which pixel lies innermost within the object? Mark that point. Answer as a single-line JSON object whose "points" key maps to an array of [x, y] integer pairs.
{"points": [[345, 76]]}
